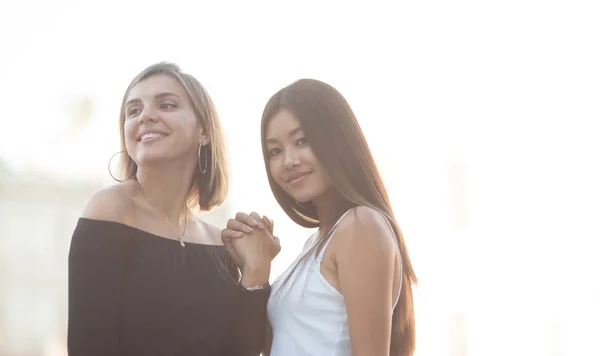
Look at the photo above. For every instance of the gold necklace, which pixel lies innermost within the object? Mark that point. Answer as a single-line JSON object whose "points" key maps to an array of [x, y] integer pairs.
{"points": [[180, 238]]}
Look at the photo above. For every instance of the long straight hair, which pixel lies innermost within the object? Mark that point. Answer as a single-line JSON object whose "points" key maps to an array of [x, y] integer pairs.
{"points": [[339, 144]]}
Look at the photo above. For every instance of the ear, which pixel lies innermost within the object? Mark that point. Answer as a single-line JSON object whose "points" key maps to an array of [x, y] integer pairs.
{"points": [[203, 139]]}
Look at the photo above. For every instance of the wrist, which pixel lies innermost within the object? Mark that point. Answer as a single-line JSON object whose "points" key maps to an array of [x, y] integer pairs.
{"points": [[255, 275]]}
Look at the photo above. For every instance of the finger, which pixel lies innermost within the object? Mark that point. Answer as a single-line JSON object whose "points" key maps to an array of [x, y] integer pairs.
{"points": [[255, 216], [276, 248], [226, 242], [246, 219], [236, 225], [268, 223], [230, 250], [228, 234]]}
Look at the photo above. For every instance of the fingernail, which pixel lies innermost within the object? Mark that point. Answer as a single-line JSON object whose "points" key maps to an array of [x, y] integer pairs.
{"points": [[248, 229], [239, 234], [254, 222]]}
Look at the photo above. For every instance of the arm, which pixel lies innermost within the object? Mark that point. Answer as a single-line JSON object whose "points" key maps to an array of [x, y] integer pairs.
{"points": [[253, 248], [365, 256], [250, 317], [94, 286], [268, 340]]}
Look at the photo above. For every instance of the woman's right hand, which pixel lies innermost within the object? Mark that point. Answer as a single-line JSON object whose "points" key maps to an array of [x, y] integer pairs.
{"points": [[245, 224]]}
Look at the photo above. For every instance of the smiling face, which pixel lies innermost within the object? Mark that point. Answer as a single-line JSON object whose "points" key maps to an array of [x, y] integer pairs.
{"points": [[291, 161], [160, 123]]}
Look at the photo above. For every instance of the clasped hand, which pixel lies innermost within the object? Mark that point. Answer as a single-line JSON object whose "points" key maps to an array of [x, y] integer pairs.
{"points": [[249, 240]]}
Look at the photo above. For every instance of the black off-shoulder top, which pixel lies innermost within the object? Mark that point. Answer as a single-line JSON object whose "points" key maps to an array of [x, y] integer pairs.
{"points": [[135, 293]]}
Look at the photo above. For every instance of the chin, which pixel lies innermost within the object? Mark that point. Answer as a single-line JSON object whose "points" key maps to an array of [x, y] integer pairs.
{"points": [[150, 158], [305, 197], [302, 200]]}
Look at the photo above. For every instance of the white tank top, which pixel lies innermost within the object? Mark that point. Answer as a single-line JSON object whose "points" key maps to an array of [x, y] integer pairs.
{"points": [[309, 316]]}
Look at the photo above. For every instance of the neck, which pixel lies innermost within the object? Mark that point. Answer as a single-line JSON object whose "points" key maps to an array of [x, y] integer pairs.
{"points": [[325, 211], [167, 187]]}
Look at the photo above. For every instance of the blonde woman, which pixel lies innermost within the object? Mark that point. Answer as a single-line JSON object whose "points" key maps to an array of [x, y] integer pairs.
{"points": [[146, 275]]}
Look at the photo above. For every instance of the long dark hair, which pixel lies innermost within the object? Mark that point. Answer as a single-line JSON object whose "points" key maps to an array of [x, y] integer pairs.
{"points": [[339, 144]]}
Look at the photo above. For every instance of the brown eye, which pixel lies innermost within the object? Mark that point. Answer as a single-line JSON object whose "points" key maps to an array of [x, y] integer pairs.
{"points": [[274, 151], [167, 106], [132, 112]]}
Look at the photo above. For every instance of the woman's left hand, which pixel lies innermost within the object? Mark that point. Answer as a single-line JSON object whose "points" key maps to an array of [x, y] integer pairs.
{"points": [[243, 225], [255, 251]]}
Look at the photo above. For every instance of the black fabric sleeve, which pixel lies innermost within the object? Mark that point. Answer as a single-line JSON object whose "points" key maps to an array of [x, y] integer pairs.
{"points": [[96, 259], [249, 321]]}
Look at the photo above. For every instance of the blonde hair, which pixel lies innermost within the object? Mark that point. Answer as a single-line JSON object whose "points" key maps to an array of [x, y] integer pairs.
{"points": [[209, 188]]}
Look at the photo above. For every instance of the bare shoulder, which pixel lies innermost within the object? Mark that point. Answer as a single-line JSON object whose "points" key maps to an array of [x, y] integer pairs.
{"points": [[365, 228], [110, 203]]}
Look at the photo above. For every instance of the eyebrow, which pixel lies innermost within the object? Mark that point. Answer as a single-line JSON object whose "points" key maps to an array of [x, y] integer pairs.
{"points": [[157, 96], [290, 134]]}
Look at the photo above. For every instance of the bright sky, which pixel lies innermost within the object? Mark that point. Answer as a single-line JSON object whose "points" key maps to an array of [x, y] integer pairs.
{"points": [[483, 117]]}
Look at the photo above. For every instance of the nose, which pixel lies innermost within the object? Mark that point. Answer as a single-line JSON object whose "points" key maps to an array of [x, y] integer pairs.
{"points": [[148, 115], [290, 158]]}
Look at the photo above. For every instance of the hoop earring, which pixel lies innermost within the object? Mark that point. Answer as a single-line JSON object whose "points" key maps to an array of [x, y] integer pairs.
{"points": [[109, 161], [203, 169]]}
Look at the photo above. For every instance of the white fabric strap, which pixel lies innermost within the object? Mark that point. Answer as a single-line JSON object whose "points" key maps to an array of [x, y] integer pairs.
{"points": [[320, 257], [322, 252]]}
